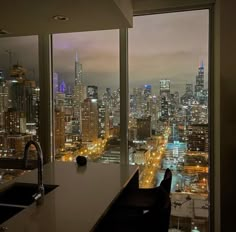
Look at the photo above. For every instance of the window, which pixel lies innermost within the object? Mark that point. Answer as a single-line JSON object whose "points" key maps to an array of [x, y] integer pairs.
{"points": [[168, 99], [19, 98], [86, 95], [168, 118]]}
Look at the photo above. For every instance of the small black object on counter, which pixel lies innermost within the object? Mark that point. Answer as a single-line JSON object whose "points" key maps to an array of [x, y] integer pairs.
{"points": [[81, 160]]}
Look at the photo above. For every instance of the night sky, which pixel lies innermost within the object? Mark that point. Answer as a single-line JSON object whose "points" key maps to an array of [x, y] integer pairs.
{"points": [[165, 46]]}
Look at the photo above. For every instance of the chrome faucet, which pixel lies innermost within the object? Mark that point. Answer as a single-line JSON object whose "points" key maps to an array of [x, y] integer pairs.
{"points": [[39, 195]]}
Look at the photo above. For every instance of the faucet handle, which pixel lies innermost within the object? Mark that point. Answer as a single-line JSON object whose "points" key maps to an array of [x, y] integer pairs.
{"points": [[37, 196]]}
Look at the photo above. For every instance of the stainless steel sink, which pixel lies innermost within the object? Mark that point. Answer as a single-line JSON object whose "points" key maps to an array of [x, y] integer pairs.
{"points": [[21, 193], [6, 212]]}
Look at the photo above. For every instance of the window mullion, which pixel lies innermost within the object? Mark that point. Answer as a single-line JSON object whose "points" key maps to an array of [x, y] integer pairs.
{"points": [[124, 98]]}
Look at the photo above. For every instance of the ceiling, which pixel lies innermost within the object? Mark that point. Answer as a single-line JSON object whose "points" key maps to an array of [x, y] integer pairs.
{"points": [[30, 17]]}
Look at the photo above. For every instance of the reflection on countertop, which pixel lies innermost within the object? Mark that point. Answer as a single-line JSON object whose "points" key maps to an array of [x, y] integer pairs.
{"points": [[82, 197]]}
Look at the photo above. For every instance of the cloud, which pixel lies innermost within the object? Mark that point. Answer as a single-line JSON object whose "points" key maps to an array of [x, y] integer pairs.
{"points": [[162, 46]]}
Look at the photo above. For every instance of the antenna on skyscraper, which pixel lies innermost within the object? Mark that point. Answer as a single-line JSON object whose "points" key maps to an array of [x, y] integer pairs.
{"points": [[202, 64], [76, 57]]}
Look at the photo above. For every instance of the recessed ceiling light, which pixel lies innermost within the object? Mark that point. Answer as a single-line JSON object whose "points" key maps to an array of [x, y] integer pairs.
{"points": [[60, 17]]}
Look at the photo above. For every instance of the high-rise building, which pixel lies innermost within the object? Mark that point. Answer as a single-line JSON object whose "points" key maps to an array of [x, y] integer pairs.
{"points": [[197, 135], [12, 145], [15, 122], [199, 86], [3, 101], [147, 91], [21, 93], [62, 87], [89, 115], [165, 99], [165, 87], [30, 91], [137, 101], [106, 98], [60, 101], [78, 97], [17, 72], [78, 71], [68, 109], [59, 130], [188, 96], [189, 89], [143, 128], [154, 114], [92, 92], [103, 121]]}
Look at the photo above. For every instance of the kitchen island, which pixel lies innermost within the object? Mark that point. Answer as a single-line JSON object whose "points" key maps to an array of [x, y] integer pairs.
{"points": [[82, 197]]}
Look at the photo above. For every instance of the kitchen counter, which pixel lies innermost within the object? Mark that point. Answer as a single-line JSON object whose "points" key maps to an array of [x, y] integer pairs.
{"points": [[83, 196]]}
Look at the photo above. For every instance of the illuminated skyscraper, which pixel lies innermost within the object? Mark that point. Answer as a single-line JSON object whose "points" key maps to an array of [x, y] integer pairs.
{"points": [[89, 115], [68, 109], [198, 137], [103, 121], [3, 100], [165, 99], [78, 71], [12, 145], [59, 129], [147, 91], [188, 97], [199, 82], [62, 87], [15, 122], [21, 93], [92, 92], [143, 128], [137, 101], [78, 97], [60, 101]]}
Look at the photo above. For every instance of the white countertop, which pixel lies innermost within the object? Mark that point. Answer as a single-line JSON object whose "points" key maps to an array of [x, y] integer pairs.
{"points": [[83, 196]]}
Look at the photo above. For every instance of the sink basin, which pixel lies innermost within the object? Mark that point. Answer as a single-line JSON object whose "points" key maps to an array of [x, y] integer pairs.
{"points": [[7, 212], [21, 193]]}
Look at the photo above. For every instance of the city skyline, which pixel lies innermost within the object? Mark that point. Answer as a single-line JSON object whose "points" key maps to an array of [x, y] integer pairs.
{"points": [[168, 131], [172, 50]]}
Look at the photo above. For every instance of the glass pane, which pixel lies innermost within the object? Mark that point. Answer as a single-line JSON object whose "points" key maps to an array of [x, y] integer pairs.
{"points": [[168, 124], [19, 100], [86, 95]]}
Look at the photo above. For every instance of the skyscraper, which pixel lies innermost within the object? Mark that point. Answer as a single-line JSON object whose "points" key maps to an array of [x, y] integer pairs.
{"points": [[59, 129], [15, 122], [165, 99], [199, 82], [3, 100], [78, 96], [78, 71], [165, 87], [92, 92], [143, 128], [89, 120], [62, 87], [147, 91], [198, 137]]}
